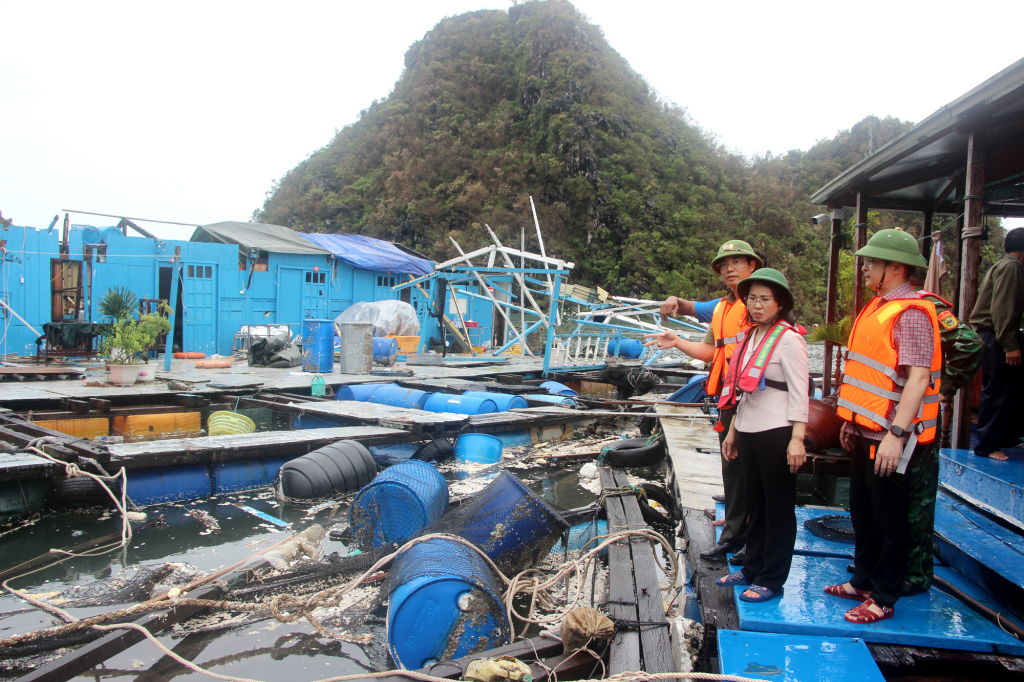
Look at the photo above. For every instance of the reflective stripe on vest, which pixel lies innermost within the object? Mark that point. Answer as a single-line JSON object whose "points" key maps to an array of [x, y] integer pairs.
{"points": [[728, 322], [871, 386]]}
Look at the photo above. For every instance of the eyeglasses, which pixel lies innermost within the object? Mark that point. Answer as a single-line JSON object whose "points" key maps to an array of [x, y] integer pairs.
{"points": [[761, 301], [871, 262]]}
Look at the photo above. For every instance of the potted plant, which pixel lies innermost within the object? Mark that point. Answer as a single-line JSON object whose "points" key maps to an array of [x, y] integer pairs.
{"points": [[126, 337]]}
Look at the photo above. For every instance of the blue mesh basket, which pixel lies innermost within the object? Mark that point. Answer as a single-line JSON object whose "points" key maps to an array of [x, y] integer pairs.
{"points": [[511, 524], [398, 504], [444, 603]]}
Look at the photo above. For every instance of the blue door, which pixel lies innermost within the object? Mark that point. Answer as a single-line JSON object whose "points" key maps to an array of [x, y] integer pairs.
{"points": [[314, 295], [199, 305], [289, 298]]}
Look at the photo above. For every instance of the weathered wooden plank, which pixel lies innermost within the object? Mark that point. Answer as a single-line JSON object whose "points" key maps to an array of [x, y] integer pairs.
{"points": [[654, 640], [718, 606], [94, 653], [624, 651]]}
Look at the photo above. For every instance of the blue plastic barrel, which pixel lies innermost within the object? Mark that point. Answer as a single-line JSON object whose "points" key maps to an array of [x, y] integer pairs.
{"points": [[385, 351], [530, 527], [480, 448], [396, 396], [317, 345], [504, 401], [246, 474], [626, 348], [446, 402], [555, 399], [305, 422], [583, 536], [169, 484], [695, 378], [426, 622], [360, 392], [556, 388], [400, 502]]}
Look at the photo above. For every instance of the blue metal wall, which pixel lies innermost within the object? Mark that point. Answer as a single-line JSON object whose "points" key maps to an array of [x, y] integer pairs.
{"points": [[218, 297]]}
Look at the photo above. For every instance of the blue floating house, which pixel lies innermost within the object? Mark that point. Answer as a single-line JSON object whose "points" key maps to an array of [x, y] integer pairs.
{"points": [[232, 274]]}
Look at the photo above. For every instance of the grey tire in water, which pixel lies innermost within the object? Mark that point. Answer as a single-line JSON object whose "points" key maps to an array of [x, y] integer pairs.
{"points": [[81, 491]]}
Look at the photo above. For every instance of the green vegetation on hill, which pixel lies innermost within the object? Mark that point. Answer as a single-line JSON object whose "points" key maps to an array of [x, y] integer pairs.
{"points": [[494, 107]]}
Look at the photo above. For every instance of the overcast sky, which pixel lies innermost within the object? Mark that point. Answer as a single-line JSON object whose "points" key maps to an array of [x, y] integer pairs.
{"points": [[187, 111]]}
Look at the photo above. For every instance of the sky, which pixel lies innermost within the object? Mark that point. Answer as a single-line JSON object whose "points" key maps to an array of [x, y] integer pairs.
{"points": [[188, 111]]}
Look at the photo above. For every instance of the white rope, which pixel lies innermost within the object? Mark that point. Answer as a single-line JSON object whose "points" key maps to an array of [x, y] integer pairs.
{"points": [[72, 471], [412, 674]]}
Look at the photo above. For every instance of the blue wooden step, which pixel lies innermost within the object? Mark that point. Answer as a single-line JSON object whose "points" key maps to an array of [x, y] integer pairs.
{"points": [[795, 658], [980, 549], [807, 543], [994, 485], [932, 619]]}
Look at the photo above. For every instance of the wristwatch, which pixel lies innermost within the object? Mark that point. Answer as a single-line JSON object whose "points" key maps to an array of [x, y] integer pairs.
{"points": [[897, 431]]}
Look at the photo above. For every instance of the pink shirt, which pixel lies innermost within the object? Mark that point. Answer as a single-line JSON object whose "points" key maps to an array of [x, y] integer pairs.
{"points": [[772, 408]]}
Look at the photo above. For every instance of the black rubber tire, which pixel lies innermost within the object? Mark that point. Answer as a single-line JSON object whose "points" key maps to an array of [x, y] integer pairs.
{"points": [[663, 497], [81, 491], [634, 452], [653, 517], [436, 450]]}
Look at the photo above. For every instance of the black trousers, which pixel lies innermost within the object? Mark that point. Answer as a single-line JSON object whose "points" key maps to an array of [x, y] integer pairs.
{"points": [[771, 501], [999, 422], [735, 530], [880, 511]]}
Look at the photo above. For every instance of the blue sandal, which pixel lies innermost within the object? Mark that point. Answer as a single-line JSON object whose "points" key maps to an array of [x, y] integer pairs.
{"points": [[763, 594], [735, 578]]}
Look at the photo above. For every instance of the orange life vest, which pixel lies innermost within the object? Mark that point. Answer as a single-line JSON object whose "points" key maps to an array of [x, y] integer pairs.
{"points": [[729, 323], [871, 383]]}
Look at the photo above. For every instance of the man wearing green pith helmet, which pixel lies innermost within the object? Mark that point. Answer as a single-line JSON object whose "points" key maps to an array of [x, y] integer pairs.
{"points": [[735, 261]]}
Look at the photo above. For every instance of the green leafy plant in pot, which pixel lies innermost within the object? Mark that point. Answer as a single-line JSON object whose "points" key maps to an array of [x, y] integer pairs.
{"points": [[125, 337]]}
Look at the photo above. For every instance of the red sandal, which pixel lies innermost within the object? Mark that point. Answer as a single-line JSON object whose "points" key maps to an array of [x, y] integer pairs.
{"points": [[840, 591], [863, 615]]}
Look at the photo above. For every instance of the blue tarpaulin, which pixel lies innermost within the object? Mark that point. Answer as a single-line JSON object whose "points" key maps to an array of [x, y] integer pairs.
{"points": [[370, 254]]}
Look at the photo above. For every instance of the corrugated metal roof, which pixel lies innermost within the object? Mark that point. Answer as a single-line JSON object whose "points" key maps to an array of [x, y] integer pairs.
{"points": [[913, 171]]}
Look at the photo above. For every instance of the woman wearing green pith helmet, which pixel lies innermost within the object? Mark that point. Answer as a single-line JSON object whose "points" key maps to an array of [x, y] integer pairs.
{"points": [[768, 379], [735, 261]]}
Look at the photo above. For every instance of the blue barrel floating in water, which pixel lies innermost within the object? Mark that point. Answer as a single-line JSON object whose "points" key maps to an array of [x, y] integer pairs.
{"points": [[583, 536], [396, 396], [445, 603], [446, 402], [401, 501], [529, 526], [317, 345], [480, 448], [504, 401], [360, 392], [385, 351], [169, 484], [556, 388], [626, 348], [555, 399]]}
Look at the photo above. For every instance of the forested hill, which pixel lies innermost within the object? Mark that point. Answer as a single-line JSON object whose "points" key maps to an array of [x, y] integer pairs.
{"points": [[493, 107]]}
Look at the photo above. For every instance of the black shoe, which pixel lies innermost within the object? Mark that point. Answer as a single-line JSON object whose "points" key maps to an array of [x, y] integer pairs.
{"points": [[718, 498], [910, 589], [719, 551], [851, 568], [739, 557]]}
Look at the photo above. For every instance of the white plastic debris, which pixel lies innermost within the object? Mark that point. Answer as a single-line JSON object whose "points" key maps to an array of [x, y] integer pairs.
{"points": [[588, 470]]}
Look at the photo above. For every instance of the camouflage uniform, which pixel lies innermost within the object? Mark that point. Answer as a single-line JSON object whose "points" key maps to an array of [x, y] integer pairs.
{"points": [[961, 356]]}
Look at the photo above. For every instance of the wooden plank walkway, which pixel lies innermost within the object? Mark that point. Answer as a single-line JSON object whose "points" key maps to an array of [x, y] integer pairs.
{"points": [[247, 446], [634, 592]]}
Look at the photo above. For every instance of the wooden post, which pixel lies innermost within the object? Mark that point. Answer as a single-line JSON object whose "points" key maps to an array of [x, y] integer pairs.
{"points": [[958, 257], [835, 244], [970, 263], [859, 298], [926, 234]]}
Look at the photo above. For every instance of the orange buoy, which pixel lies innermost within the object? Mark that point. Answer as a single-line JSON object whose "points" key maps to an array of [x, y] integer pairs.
{"points": [[190, 356], [212, 364]]}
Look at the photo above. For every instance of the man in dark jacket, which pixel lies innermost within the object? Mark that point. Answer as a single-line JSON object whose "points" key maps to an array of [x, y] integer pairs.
{"points": [[996, 318]]}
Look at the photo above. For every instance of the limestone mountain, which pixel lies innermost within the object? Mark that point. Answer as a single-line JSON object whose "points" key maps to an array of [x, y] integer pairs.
{"points": [[493, 107]]}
